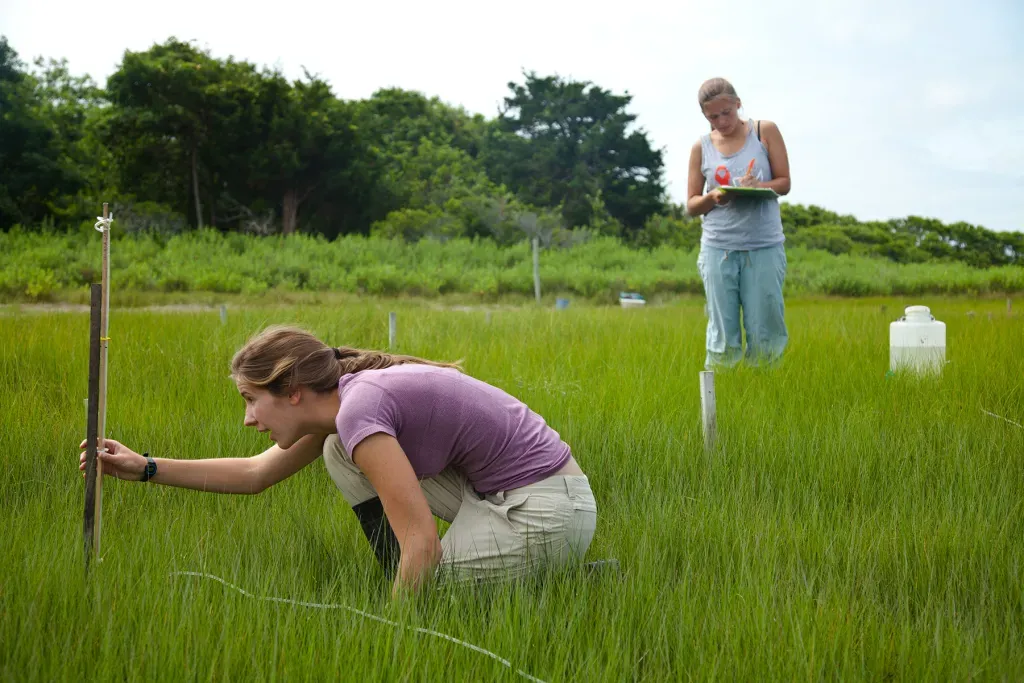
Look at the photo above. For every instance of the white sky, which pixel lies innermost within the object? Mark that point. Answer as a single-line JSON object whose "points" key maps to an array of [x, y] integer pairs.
{"points": [[888, 108]]}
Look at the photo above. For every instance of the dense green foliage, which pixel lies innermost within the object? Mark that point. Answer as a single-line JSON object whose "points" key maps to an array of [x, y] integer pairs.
{"points": [[178, 139], [59, 266]]}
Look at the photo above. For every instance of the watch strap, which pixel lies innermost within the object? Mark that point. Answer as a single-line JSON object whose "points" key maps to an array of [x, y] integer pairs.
{"points": [[150, 470]]}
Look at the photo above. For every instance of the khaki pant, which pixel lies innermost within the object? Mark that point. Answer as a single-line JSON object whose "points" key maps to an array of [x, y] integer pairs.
{"points": [[499, 536]]}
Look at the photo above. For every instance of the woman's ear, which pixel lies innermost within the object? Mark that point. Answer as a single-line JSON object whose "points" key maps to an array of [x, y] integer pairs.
{"points": [[295, 397]]}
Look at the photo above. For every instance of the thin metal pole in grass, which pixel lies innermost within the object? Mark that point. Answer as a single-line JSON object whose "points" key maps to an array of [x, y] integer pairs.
{"points": [[707, 409], [392, 329], [536, 267]]}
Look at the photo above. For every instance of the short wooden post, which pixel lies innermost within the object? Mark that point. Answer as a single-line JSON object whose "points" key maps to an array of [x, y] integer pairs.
{"points": [[707, 409], [392, 329]]}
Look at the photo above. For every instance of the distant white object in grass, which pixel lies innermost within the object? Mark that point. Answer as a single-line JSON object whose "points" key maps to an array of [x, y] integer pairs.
{"points": [[631, 300], [707, 409], [223, 314], [392, 329], [917, 342]]}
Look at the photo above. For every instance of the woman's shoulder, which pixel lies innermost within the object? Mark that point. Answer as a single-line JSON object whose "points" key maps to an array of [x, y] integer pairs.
{"points": [[360, 386], [394, 377], [364, 381], [766, 126], [697, 150]]}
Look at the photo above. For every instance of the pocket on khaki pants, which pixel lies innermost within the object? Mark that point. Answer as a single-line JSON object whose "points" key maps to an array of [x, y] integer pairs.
{"points": [[508, 534]]}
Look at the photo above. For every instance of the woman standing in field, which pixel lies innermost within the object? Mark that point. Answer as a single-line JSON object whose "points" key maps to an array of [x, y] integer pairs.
{"points": [[404, 439], [742, 259]]}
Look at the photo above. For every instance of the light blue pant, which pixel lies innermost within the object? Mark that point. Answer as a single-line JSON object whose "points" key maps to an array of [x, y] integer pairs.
{"points": [[751, 281]]}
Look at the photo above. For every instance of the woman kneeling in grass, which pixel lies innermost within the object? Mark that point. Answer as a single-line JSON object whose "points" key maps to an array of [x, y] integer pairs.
{"points": [[404, 439]]}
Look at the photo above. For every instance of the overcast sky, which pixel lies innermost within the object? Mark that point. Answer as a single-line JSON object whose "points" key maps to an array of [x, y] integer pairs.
{"points": [[888, 108]]}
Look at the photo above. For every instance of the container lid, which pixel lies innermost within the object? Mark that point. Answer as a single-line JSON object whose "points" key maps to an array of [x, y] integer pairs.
{"points": [[921, 310]]}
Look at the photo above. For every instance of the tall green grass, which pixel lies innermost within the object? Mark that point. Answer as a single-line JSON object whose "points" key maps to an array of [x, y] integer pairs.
{"points": [[44, 267], [849, 525]]}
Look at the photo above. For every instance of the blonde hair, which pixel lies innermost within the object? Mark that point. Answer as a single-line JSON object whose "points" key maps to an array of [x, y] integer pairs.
{"points": [[712, 88], [282, 358]]}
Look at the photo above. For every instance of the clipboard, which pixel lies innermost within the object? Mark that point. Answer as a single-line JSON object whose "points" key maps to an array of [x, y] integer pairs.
{"points": [[753, 192]]}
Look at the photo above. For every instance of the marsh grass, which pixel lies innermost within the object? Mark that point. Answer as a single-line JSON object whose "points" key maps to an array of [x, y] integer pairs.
{"points": [[849, 525]]}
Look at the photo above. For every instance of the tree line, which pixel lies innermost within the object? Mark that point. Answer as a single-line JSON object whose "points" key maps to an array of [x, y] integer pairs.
{"points": [[178, 139]]}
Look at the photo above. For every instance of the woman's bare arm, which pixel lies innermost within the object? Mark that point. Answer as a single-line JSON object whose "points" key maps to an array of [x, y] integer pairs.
{"points": [[216, 475]]}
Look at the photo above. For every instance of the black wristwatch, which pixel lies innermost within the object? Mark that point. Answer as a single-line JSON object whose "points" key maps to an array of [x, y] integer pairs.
{"points": [[150, 470]]}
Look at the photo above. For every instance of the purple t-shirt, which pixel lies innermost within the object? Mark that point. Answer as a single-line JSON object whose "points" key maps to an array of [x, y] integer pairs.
{"points": [[442, 417]]}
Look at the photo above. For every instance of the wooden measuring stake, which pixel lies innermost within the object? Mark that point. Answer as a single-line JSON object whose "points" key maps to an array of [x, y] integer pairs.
{"points": [[707, 408], [104, 343], [92, 470]]}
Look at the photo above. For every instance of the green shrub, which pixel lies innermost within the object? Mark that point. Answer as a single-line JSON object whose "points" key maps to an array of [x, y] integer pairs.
{"points": [[40, 265]]}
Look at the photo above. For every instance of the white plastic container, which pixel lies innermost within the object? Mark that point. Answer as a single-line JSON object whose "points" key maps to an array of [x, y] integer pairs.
{"points": [[917, 342], [631, 300]]}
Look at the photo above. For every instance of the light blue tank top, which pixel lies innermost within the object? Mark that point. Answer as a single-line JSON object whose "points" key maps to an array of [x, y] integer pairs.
{"points": [[744, 223]]}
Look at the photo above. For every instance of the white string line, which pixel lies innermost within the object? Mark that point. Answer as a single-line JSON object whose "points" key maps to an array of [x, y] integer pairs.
{"points": [[1015, 424], [102, 223], [374, 617]]}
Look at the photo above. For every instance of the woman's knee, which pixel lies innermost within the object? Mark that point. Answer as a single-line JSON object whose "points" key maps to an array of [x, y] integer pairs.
{"points": [[349, 479], [583, 523]]}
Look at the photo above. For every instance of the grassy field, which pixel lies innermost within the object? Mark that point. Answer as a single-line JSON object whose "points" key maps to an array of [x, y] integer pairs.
{"points": [[850, 525]]}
